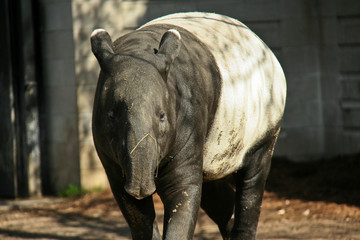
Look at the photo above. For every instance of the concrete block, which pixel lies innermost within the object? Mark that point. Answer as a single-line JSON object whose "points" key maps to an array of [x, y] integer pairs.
{"points": [[300, 32], [291, 9], [87, 71], [334, 142], [329, 58], [64, 155], [85, 98], [349, 58], [327, 8], [268, 31], [305, 9], [85, 128], [349, 29], [58, 45], [93, 179], [328, 33], [61, 178], [297, 9], [92, 172], [237, 9], [332, 114], [303, 104], [63, 128], [92, 14], [241, 10], [60, 100], [234, 9], [262, 10], [347, 7], [300, 60], [303, 87], [136, 13], [350, 89], [351, 141], [89, 158], [302, 113], [64, 164], [82, 48], [330, 87], [300, 143], [351, 117], [57, 16], [59, 73]]}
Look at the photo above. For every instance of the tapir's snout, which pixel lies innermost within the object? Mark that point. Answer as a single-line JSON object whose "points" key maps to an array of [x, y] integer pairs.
{"points": [[140, 190], [141, 166]]}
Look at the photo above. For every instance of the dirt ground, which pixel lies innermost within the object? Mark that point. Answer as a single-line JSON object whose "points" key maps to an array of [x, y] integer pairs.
{"points": [[302, 201]]}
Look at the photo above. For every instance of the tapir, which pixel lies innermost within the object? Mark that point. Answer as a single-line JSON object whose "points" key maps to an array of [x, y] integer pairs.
{"points": [[189, 106]]}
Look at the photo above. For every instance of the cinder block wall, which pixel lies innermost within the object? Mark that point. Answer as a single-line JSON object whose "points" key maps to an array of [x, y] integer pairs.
{"points": [[61, 162], [320, 55], [317, 43]]}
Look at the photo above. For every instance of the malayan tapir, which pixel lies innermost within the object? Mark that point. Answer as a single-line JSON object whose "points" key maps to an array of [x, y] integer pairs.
{"points": [[188, 106]]}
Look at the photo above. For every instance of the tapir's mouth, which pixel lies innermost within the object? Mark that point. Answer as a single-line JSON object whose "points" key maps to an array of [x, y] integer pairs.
{"points": [[140, 190], [140, 179]]}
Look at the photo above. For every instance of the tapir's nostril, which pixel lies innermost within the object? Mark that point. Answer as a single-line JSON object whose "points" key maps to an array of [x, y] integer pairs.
{"points": [[138, 191]]}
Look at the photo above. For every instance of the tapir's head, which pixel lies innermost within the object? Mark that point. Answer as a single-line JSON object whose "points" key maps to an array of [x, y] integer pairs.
{"points": [[134, 112]]}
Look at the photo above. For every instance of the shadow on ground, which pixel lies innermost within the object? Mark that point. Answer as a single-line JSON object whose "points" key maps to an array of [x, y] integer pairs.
{"points": [[334, 180]]}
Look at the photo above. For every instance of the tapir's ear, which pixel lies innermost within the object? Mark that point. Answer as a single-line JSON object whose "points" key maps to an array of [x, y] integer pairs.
{"points": [[169, 49], [102, 47]]}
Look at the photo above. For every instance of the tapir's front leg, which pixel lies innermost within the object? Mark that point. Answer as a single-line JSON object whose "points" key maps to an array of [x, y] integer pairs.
{"points": [[139, 214], [180, 191], [181, 210]]}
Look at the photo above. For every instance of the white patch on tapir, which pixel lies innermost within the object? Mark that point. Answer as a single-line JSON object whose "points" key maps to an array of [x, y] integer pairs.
{"points": [[176, 32], [96, 31], [253, 88]]}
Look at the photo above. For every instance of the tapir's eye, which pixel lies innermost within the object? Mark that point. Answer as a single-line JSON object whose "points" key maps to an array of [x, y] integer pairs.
{"points": [[162, 116], [111, 115]]}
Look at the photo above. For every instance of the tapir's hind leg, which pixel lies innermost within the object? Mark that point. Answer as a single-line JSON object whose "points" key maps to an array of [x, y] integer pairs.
{"points": [[217, 200], [250, 184]]}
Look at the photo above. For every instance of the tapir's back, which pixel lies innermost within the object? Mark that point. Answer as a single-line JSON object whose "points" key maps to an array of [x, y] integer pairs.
{"points": [[253, 88]]}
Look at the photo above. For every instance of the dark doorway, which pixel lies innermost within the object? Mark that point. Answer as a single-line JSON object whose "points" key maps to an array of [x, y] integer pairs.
{"points": [[20, 171]]}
